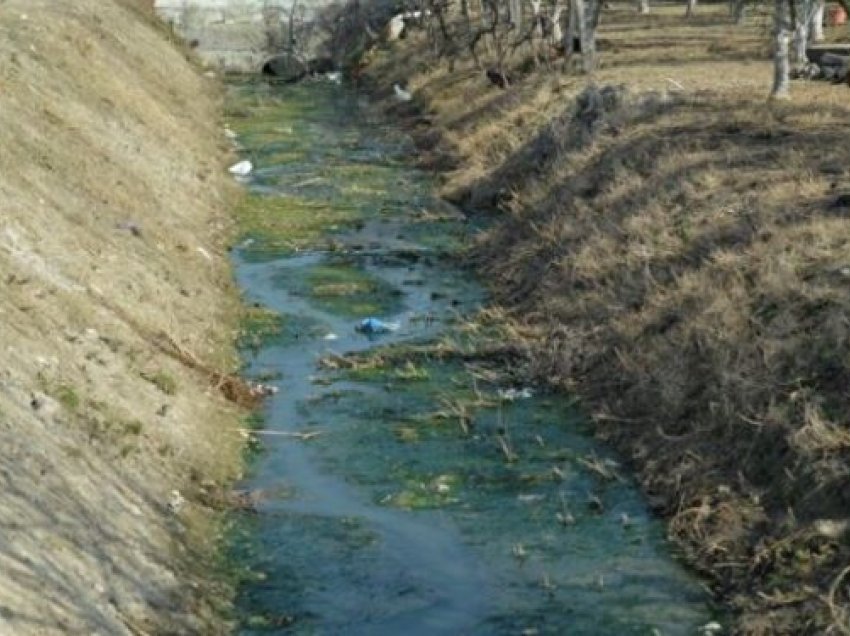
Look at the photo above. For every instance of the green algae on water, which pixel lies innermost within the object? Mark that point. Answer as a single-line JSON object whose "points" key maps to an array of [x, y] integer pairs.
{"points": [[280, 225], [261, 326], [342, 288]]}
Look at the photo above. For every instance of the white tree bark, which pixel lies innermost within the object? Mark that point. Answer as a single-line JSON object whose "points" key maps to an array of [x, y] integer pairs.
{"points": [[817, 21], [691, 7], [643, 6], [515, 11], [585, 22], [804, 15], [557, 31], [537, 18], [577, 21], [573, 30], [739, 11], [781, 36]]}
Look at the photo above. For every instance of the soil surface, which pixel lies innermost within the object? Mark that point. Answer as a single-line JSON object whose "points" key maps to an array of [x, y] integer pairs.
{"points": [[113, 273]]}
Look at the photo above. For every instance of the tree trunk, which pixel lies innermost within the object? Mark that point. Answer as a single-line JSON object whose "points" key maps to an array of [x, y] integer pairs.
{"points": [[739, 11], [573, 30], [802, 20], [515, 13], [585, 16], [643, 6], [817, 21], [781, 36], [691, 7], [557, 36], [595, 14], [537, 22]]}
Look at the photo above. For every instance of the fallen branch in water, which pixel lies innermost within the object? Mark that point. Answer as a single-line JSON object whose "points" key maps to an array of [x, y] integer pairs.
{"points": [[307, 182], [304, 437], [234, 388]]}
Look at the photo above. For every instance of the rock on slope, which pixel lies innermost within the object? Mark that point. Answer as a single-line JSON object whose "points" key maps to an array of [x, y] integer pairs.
{"points": [[111, 236]]}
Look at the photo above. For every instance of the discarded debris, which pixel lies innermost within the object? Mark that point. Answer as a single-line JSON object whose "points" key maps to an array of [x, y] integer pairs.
{"points": [[374, 326], [595, 503], [519, 552], [176, 501], [605, 468], [304, 436], [401, 94], [130, 226], [241, 169], [510, 395], [530, 498], [260, 390]]}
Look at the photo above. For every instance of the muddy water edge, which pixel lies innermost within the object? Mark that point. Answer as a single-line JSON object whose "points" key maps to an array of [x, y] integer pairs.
{"points": [[407, 482]]}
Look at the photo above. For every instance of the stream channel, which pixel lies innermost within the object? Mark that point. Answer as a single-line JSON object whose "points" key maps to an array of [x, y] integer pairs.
{"points": [[436, 496]]}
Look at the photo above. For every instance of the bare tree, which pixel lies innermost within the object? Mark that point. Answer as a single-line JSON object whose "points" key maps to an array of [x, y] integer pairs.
{"points": [[690, 8], [781, 37], [584, 16], [572, 33], [803, 13], [817, 21], [557, 35], [515, 13], [643, 7], [738, 9]]}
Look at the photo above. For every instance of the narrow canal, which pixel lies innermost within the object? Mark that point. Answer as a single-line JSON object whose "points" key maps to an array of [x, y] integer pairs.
{"points": [[407, 482]]}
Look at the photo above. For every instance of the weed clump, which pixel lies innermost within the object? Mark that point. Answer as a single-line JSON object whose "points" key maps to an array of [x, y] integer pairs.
{"points": [[162, 380]]}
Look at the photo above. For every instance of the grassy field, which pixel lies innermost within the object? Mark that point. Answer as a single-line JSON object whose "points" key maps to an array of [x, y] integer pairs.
{"points": [[678, 249]]}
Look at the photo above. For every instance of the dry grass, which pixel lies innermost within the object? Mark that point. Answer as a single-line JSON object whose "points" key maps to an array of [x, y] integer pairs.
{"points": [[683, 261], [112, 231]]}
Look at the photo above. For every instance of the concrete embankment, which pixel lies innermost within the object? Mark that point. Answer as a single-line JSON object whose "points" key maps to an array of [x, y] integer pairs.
{"points": [[113, 270]]}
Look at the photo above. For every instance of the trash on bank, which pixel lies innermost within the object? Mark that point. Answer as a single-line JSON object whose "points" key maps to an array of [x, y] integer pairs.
{"points": [[241, 169], [260, 390], [176, 501], [509, 395], [401, 94], [371, 326]]}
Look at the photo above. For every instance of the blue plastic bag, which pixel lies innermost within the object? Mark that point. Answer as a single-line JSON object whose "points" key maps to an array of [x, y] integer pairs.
{"points": [[372, 326]]}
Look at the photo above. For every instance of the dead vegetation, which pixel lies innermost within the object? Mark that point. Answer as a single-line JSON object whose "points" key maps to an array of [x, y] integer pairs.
{"points": [[675, 249], [117, 317]]}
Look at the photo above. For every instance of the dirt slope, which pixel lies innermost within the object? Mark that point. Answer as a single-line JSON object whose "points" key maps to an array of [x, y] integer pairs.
{"points": [[676, 251], [112, 201]]}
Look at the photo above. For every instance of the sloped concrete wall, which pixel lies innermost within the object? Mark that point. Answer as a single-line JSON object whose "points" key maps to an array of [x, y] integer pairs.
{"points": [[238, 35]]}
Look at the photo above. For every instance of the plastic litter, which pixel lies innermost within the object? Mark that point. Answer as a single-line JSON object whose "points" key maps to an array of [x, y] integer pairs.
{"points": [[510, 395], [375, 326], [331, 336], [176, 501], [242, 169], [401, 94]]}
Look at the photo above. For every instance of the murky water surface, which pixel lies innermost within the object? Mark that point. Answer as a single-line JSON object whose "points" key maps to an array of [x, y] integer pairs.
{"points": [[428, 503]]}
